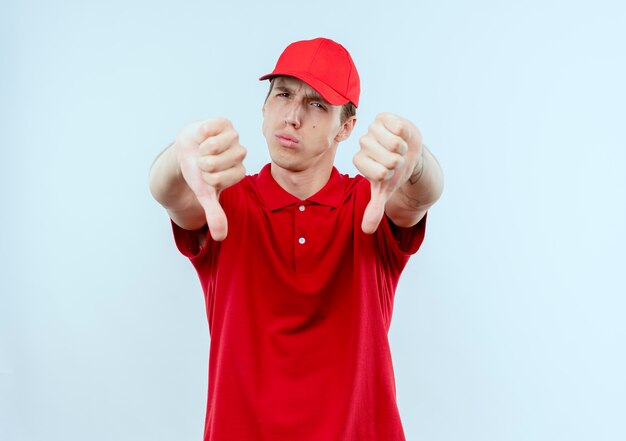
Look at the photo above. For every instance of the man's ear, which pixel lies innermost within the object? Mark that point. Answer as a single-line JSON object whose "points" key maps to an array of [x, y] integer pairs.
{"points": [[346, 129]]}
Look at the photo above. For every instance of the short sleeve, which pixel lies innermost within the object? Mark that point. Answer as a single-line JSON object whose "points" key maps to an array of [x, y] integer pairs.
{"points": [[188, 241], [397, 244], [405, 240]]}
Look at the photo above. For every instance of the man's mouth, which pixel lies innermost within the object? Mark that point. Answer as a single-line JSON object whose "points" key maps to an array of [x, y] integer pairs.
{"points": [[286, 140]]}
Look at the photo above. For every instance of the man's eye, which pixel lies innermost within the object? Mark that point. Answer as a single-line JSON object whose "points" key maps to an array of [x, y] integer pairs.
{"points": [[283, 94], [318, 105]]}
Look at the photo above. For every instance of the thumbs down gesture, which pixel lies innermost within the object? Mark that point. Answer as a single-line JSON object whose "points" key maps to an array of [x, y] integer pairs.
{"points": [[211, 159], [388, 155]]}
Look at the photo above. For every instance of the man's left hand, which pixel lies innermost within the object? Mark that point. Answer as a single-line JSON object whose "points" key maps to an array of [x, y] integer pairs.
{"points": [[390, 151]]}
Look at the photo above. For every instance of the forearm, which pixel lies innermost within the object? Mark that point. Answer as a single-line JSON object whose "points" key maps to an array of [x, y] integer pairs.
{"points": [[168, 186], [412, 199]]}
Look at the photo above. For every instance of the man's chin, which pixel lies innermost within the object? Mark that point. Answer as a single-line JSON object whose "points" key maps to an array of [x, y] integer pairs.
{"points": [[292, 165]]}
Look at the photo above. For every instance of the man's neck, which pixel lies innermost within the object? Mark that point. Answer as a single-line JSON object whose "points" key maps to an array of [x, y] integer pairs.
{"points": [[301, 184]]}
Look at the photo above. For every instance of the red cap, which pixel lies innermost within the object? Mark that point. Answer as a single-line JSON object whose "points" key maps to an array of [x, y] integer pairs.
{"points": [[324, 65]]}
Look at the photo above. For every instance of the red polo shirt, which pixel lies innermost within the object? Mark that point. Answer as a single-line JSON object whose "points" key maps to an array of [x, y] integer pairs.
{"points": [[299, 303]]}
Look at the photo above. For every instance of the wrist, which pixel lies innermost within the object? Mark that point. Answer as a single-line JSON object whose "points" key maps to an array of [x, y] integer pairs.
{"points": [[418, 170]]}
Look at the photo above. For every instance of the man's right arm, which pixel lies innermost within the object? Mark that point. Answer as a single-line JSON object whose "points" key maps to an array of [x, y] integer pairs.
{"points": [[188, 176], [170, 189]]}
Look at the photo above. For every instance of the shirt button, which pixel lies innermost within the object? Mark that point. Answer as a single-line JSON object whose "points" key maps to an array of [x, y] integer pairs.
{"points": [[301, 208], [301, 240]]}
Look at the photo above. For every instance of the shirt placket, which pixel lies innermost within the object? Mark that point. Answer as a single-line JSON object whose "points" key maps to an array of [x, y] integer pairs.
{"points": [[302, 237]]}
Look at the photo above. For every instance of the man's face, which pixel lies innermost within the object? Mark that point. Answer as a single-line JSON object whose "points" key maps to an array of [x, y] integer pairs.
{"points": [[302, 130]]}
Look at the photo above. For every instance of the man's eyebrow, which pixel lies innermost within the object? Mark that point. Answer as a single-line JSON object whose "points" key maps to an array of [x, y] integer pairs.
{"points": [[314, 96], [284, 89], [311, 96]]}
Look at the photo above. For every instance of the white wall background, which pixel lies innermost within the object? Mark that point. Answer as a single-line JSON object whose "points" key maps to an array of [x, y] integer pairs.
{"points": [[509, 322]]}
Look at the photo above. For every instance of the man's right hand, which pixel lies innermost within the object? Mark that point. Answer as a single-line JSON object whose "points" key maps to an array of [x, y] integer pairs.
{"points": [[211, 159]]}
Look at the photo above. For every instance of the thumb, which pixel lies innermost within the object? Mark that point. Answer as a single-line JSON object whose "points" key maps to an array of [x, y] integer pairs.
{"points": [[375, 209], [215, 216]]}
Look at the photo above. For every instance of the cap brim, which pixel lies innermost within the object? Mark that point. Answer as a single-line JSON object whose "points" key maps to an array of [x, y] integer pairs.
{"points": [[328, 93]]}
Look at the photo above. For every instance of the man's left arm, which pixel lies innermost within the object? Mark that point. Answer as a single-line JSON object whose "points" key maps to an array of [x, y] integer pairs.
{"points": [[410, 201], [405, 177]]}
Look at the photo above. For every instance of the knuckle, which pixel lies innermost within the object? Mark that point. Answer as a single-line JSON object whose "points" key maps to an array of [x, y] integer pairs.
{"points": [[210, 164], [233, 137], [223, 122], [363, 165], [381, 174], [392, 162], [241, 153], [396, 161], [399, 146], [242, 172], [213, 179], [376, 128], [395, 145], [364, 140], [235, 175], [383, 116], [204, 129], [212, 145]]}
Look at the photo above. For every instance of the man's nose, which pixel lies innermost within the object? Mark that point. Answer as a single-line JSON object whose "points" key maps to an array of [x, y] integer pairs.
{"points": [[294, 114]]}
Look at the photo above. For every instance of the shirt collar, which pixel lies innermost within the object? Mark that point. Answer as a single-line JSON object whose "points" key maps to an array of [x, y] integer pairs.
{"points": [[276, 197]]}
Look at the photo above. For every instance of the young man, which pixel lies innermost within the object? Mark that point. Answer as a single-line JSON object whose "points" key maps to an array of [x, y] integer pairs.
{"points": [[299, 263]]}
